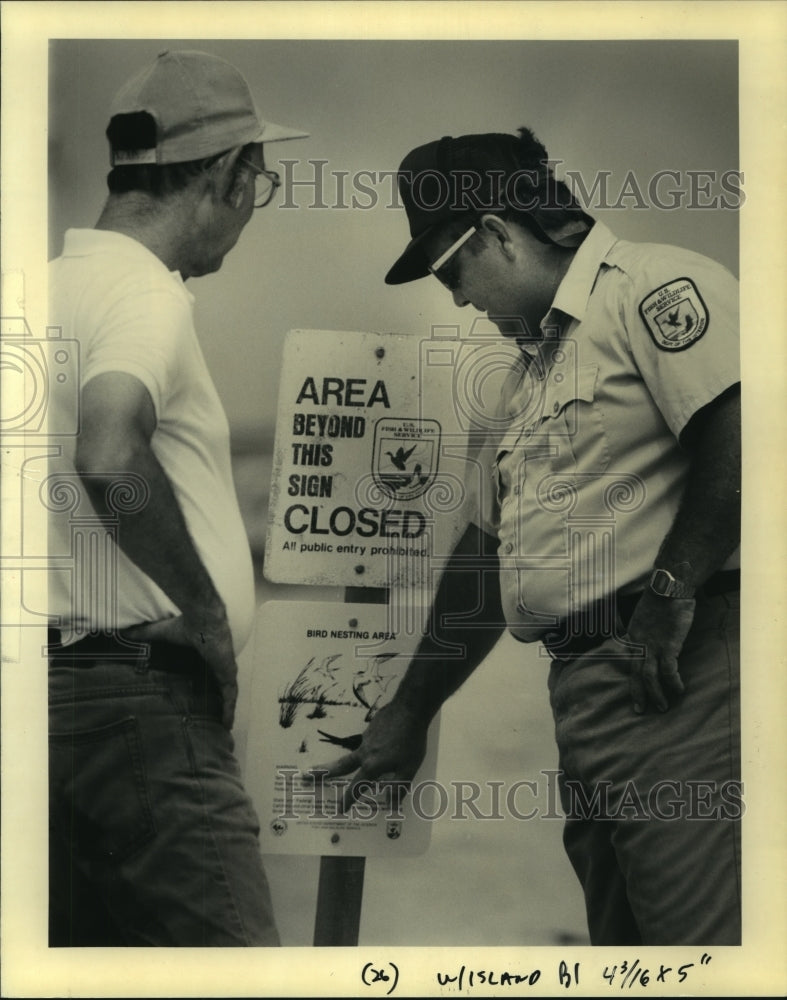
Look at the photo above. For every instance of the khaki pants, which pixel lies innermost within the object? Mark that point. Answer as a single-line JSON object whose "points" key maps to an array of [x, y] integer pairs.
{"points": [[654, 802]]}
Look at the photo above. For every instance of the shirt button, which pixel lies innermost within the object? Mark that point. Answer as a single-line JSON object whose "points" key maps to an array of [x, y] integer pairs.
{"points": [[558, 376], [509, 548], [556, 407]]}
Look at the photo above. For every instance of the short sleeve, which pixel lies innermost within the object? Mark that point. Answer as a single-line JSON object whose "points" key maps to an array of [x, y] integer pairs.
{"points": [[682, 319], [141, 333]]}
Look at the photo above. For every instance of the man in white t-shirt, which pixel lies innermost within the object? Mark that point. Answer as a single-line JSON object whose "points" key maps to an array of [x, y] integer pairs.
{"points": [[153, 839]]}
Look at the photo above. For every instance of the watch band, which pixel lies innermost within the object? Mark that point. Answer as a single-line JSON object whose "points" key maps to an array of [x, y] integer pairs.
{"points": [[663, 583]]}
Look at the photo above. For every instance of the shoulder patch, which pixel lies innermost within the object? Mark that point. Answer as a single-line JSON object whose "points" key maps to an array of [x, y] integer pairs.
{"points": [[675, 315]]}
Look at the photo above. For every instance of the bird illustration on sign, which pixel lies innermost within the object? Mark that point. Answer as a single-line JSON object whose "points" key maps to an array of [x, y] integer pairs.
{"points": [[367, 688]]}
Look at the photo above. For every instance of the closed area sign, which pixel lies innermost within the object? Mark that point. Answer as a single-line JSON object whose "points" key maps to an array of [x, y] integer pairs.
{"points": [[368, 469]]}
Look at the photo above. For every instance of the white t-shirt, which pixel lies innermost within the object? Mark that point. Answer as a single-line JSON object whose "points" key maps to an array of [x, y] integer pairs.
{"points": [[129, 314]]}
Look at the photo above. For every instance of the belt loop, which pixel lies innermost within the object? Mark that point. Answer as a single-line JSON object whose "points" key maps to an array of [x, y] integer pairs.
{"points": [[142, 663]]}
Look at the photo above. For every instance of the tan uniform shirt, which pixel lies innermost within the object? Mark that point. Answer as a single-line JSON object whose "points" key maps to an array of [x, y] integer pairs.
{"points": [[584, 483]]}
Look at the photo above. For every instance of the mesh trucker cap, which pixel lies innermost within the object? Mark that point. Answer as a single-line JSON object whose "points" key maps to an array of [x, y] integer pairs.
{"points": [[455, 176], [201, 106]]}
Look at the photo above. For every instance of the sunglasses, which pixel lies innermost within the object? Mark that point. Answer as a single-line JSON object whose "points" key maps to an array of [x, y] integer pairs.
{"points": [[445, 267]]}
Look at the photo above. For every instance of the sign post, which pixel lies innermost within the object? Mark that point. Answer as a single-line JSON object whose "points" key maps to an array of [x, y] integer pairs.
{"points": [[340, 888], [339, 901]]}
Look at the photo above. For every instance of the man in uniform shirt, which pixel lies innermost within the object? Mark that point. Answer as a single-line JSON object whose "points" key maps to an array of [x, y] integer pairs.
{"points": [[607, 527], [153, 839]]}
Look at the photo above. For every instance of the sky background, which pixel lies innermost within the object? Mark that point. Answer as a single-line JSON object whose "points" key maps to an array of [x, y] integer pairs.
{"points": [[613, 106]]}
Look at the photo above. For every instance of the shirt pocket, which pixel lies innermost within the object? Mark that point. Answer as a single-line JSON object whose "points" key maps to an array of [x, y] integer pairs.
{"points": [[570, 435]]}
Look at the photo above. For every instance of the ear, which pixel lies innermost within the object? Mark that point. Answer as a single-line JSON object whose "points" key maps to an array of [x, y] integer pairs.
{"points": [[229, 183], [499, 232]]}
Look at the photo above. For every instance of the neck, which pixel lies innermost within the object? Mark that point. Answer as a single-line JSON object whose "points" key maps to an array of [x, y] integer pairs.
{"points": [[156, 224], [554, 264], [563, 258]]}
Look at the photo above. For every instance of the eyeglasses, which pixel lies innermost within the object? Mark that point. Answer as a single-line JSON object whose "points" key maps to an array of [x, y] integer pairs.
{"points": [[265, 183], [443, 269]]}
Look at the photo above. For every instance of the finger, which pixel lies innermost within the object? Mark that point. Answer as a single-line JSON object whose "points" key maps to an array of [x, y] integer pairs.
{"points": [[142, 633], [670, 676], [391, 788], [653, 686], [167, 628], [397, 788], [637, 691], [229, 698], [351, 792], [343, 765]]}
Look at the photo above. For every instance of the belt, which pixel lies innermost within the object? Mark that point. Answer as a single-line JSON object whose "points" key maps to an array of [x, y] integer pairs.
{"points": [[609, 618], [156, 655]]}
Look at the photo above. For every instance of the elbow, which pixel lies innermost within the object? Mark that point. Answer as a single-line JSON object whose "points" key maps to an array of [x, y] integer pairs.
{"points": [[100, 462], [103, 464]]}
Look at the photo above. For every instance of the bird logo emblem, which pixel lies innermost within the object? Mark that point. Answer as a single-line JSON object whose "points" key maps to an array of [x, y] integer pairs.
{"points": [[405, 456], [678, 322], [400, 458]]}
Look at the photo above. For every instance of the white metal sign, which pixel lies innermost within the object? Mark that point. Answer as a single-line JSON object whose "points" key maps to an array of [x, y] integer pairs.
{"points": [[322, 671], [364, 488]]}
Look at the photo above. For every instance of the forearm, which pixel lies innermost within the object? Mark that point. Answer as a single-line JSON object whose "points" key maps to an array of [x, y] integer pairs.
{"points": [[706, 530], [155, 538], [465, 623]]}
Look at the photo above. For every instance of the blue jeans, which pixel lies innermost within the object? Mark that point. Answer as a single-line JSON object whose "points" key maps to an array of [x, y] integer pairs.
{"points": [[653, 802], [153, 839]]}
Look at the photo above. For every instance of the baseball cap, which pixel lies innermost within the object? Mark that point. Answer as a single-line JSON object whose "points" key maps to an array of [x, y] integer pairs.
{"points": [[455, 176], [201, 105]]}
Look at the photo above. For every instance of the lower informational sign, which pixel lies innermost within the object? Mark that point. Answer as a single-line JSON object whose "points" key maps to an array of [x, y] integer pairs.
{"points": [[322, 671]]}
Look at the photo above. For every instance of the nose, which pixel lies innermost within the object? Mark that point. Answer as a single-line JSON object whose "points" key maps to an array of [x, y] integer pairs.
{"points": [[459, 299]]}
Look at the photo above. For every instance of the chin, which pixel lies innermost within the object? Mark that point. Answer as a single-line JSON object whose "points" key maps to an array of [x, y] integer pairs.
{"points": [[509, 326], [208, 267]]}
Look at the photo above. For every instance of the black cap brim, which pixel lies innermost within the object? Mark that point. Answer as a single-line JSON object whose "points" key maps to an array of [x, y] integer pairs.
{"points": [[412, 264]]}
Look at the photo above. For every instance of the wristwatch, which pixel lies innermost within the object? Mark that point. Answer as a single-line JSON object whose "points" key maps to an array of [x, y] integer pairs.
{"points": [[663, 583]]}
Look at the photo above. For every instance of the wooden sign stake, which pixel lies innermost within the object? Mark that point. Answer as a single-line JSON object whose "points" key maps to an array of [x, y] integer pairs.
{"points": [[340, 888]]}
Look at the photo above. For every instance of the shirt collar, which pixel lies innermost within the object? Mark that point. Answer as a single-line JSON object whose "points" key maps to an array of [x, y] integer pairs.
{"points": [[86, 242], [574, 290]]}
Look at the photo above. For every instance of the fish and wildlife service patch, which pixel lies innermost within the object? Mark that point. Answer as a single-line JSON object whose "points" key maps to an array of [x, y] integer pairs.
{"points": [[675, 315]]}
